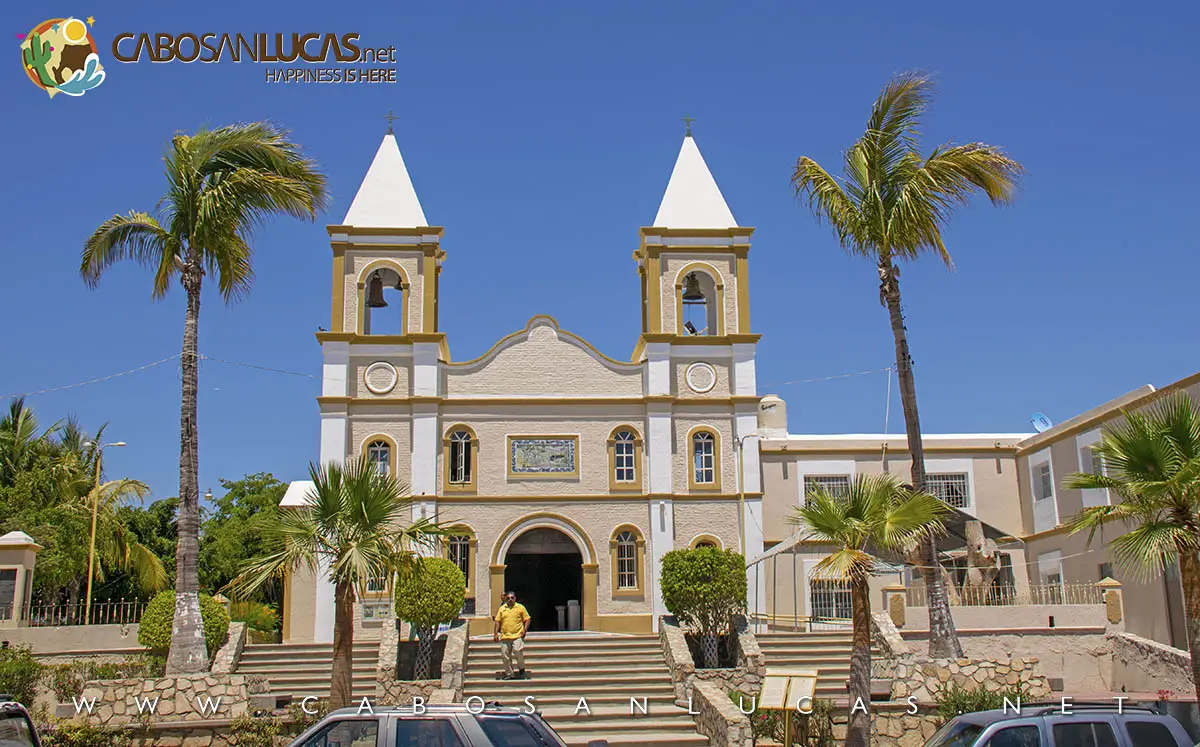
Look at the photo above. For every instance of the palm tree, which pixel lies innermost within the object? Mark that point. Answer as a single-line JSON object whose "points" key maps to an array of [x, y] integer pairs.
{"points": [[221, 185], [876, 514], [117, 547], [1151, 462], [356, 529], [20, 442], [890, 205]]}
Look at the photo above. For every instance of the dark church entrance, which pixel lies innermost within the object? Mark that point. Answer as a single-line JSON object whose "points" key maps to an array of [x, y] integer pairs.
{"points": [[544, 568]]}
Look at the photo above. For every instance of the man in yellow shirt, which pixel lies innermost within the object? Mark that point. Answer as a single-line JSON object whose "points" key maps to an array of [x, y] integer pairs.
{"points": [[512, 624]]}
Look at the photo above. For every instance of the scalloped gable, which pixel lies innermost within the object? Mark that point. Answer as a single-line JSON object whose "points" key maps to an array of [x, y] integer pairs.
{"points": [[543, 361]]}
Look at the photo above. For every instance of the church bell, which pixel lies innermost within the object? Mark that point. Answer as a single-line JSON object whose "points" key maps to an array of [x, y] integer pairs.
{"points": [[691, 288], [375, 299]]}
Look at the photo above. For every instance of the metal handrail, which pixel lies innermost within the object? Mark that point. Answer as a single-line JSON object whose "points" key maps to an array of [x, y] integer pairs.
{"points": [[102, 613], [1037, 594]]}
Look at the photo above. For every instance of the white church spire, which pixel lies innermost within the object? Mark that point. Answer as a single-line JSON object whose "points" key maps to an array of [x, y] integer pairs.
{"points": [[692, 199], [386, 198]]}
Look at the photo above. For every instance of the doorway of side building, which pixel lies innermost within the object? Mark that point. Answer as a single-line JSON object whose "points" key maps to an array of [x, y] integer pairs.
{"points": [[544, 568]]}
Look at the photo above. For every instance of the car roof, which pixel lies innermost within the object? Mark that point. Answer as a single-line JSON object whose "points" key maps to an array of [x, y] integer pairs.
{"points": [[490, 708], [1032, 710]]}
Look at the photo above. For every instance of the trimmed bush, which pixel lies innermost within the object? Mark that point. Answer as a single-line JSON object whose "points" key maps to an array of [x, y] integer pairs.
{"points": [[431, 595], [19, 674], [251, 731], [704, 588], [256, 615], [956, 699], [154, 631]]}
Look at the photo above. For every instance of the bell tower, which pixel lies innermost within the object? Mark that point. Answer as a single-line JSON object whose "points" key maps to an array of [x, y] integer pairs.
{"points": [[693, 263]]}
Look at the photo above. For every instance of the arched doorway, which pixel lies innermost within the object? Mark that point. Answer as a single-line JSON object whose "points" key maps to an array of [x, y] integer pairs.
{"points": [[544, 567]]}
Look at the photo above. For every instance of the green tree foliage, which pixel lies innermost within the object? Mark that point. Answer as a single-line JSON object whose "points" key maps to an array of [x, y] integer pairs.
{"points": [[20, 674], [704, 588], [432, 594], [232, 532], [75, 734], [256, 615], [154, 632]]}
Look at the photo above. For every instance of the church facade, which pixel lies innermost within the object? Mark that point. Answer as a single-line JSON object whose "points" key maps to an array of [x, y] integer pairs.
{"points": [[565, 475]]}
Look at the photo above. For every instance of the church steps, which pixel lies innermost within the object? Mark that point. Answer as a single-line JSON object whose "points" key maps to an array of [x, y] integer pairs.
{"points": [[827, 652], [303, 669], [607, 671]]}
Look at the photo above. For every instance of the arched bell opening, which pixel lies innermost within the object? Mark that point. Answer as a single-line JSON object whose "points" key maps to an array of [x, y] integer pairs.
{"points": [[698, 297], [383, 303]]}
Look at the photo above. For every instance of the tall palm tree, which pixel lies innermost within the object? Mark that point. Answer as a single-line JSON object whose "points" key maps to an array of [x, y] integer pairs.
{"points": [[355, 529], [890, 205], [876, 514], [221, 185], [1151, 464], [20, 441]]}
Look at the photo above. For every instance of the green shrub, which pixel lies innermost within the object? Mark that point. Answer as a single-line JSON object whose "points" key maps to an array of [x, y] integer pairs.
{"points": [[956, 699], [250, 731], [19, 674], [73, 734], [67, 680], [813, 729], [256, 615], [432, 594], [154, 631], [704, 588]]}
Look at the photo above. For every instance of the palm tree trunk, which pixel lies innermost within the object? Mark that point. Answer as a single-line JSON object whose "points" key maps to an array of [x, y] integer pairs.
{"points": [[1189, 575], [858, 730], [943, 637], [188, 653], [341, 680]]}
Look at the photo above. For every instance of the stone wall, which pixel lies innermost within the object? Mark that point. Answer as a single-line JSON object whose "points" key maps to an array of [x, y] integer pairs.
{"points": [[226, 659], [745, 677], [1142, 665], [925, 678], [1082, 658], [718, 718], [179, 697], [447, 689]]}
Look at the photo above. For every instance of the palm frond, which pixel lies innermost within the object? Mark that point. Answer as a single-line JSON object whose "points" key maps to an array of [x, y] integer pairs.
{"points": [[136, 236]]}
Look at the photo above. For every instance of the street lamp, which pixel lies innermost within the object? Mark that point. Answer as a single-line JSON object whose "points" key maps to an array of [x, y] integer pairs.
{"points": [[740, 447], [87, 610]]}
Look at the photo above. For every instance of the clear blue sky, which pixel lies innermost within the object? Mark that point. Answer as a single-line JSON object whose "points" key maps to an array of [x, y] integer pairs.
{"points": [[541, 135]]}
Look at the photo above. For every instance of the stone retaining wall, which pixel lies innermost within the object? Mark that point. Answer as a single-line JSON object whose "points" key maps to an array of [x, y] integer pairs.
{"points": [[746, 676], [447, 689], [925, 678], [718, 718], [226, 659], [1142, 665], [180, 697]]}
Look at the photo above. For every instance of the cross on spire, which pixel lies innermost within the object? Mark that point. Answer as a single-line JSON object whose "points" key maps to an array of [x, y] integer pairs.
{"points": [[390, 118], [687, 121]]}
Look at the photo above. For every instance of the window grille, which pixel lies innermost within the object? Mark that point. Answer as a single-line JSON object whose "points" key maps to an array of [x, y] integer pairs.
{"points": [[623, 457], [460, 458], [704, 448], [626, 561], [460, 554], [953, 489], [837, 486]]}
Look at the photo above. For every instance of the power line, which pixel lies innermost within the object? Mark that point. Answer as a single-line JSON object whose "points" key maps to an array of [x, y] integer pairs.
{"points": [[831, 378], [93, 381], [258, 367]]}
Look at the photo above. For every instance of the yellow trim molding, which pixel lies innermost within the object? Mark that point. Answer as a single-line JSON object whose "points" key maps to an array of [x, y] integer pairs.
{"points": [[391, 444], [635, 484], [460, 529], [371, 231], [472, 455], [632, 624], [639, 560], [715, 485], [337, 313]]}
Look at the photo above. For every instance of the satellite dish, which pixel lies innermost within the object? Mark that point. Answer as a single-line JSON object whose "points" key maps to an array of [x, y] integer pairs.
{"points": [[1041, 423]]}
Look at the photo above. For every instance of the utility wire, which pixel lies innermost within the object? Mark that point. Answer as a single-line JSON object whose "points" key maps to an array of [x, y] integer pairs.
{"points": [[92, 381], [831, 378]]}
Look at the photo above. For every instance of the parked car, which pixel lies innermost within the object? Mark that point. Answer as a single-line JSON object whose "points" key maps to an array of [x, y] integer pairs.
{"points": [[16, 728], [444, 726], [1045, 725]]}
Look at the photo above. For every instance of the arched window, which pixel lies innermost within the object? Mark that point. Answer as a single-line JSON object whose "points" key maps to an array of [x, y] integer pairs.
{"points": [[624, 459], [460, 447], [705, 540], [699, 303], [383, 307], [704, 459], [627, 553], [379, 454]]}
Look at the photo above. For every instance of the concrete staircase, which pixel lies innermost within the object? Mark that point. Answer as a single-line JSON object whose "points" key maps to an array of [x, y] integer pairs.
{"points": [[302, 669], [828, 652], [607, 670]]}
